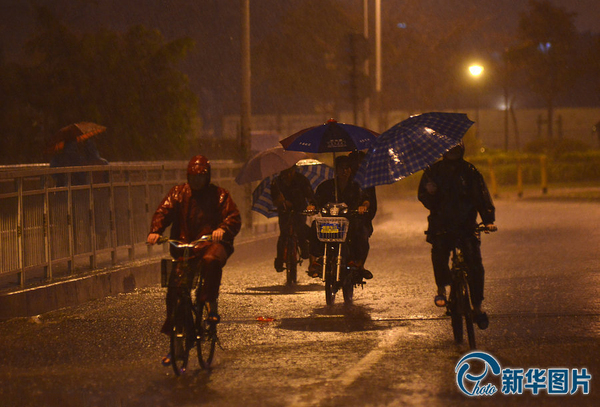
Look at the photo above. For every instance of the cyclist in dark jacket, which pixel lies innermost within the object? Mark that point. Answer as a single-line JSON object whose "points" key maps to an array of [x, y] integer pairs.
{"points": [[348, 192], [291, 191], [454, 191], [369, 195], [195, 209]]}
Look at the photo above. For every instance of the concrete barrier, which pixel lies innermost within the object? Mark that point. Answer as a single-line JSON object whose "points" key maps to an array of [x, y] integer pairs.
{"points": [[38, 300]]}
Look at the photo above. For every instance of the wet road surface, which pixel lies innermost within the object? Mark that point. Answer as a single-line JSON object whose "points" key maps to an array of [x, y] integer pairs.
{"points": [[392, 348]]}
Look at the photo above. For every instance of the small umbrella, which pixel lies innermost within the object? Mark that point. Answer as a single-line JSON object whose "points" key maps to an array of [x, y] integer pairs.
{"points": [[74, 132], [411, 146], [267, 163], [314, 170], [331, 137]]}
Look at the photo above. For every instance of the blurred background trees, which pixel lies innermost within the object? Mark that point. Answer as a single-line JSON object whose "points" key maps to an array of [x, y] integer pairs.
{"points": [[128, 82], [154, 87]]}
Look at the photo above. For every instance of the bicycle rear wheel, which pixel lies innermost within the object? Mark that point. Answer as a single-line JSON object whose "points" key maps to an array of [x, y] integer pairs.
{"points": [[182, 335], [456, 312], [468, 314], [206, 339], [291, 259]]}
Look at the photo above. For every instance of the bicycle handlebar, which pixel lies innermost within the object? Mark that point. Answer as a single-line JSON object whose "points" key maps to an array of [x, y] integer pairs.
{"points": [[316, 212], [182, 245], [480, 228], [483, 228]]}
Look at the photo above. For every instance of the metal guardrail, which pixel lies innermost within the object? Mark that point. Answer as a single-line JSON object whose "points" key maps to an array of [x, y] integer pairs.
{"points": [[57, 222]]}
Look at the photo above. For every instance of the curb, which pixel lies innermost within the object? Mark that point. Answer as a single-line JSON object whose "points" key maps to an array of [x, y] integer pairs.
{"points": [[38, 300]]}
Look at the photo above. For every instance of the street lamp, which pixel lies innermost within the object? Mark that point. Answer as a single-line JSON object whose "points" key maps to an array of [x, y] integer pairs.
{"points": [[476, 70]]}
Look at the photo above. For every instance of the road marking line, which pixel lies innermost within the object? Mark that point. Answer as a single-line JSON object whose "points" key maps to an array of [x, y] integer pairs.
{"points": [[390, 339], [325, 390]]}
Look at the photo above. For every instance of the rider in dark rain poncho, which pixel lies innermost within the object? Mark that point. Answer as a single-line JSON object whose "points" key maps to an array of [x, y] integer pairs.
{"points": [[454, 191]]}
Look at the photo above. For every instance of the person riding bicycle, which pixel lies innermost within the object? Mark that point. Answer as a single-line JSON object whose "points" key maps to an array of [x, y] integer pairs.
{"points": [[348, 192], [454, 191], [369, 195], [194, 209], [291, 191]]}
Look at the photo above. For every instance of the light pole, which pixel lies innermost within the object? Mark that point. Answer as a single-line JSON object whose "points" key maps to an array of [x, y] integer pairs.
{"points": [[476, 70]]}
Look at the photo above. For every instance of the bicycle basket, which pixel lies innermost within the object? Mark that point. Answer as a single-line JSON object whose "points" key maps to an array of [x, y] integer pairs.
{"points": [[332, 229]]}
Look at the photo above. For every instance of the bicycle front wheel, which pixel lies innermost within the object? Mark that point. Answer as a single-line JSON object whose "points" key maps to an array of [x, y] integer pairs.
{"points": [[348, 286], [330, 288], [206, 337], [182, 336]]}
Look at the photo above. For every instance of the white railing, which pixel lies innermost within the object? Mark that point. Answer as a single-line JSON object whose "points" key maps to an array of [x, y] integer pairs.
{"points": [[58, 223]]}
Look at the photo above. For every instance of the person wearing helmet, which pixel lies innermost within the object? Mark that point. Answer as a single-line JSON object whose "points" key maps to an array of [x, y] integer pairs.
{"points": [[454, 191], [194, 209]]}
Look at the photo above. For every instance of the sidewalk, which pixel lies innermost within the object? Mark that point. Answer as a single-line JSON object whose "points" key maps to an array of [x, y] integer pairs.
{"points": [[553, 192], [122, 278]]}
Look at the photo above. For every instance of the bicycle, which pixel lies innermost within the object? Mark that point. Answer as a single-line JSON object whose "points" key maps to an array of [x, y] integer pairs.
{"points": [[459, 302], [191, 325], [333, 230], [291, 252]]}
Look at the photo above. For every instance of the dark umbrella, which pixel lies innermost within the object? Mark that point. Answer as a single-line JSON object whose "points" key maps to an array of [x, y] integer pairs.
{"points": [[267, 163], [411, 146], [78, 132], [331, 137], [314, 170]]}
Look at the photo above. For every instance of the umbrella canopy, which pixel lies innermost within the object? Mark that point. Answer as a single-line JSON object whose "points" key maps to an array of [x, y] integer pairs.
{"points": [[314, 170], [331, 137], [411, 146], [73, 132], [267, 163]]}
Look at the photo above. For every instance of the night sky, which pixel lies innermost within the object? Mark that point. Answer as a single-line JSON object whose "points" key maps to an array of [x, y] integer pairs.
{"points": [[215, 26]]}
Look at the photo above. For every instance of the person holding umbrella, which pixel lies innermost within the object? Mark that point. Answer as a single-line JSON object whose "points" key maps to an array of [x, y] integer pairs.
{"points": [[348, 191], [356, 158], [454, 191], [291, 192]]}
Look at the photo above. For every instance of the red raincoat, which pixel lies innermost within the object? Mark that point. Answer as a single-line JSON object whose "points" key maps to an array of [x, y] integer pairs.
{"points": [[193, 214]]}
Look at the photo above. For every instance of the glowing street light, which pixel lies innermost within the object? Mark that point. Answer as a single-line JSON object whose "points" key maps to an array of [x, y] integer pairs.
{"points": [[476, 70]]}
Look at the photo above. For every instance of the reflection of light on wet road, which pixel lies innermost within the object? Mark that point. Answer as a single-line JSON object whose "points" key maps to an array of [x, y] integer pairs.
{"points": [[388, 340]]}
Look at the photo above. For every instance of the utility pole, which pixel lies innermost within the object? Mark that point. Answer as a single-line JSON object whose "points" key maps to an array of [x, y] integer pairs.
{"points": [[246, 106], [378, 65], [246, 75], [367, 101]]}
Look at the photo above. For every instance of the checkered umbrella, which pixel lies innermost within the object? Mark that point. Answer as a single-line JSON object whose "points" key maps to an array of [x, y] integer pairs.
{"points": [[411, 146], [314, 170]]}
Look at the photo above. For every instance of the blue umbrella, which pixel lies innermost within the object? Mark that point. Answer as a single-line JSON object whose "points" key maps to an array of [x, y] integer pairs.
{"points": [[314, 170], [411, 146], [331, 137]]}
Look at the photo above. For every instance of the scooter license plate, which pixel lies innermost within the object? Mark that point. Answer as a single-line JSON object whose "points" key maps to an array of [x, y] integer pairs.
{"points": [[330, 228]]}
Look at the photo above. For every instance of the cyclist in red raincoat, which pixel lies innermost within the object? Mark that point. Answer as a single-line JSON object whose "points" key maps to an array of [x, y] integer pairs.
{"points": [[195, 209]]}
